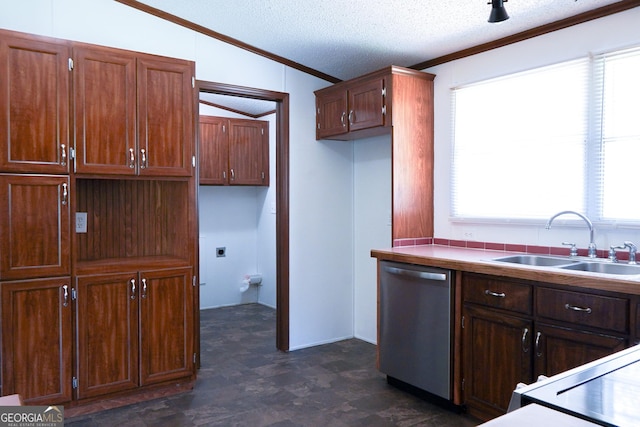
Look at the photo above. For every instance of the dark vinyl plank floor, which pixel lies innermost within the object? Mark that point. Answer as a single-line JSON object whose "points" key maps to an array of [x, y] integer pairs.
{"points": [[245, 381]]}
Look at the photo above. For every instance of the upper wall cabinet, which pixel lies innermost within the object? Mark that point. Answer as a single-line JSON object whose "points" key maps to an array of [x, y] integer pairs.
{"points": [[344, 109], [234, 151], [165, 117], [34, 105], [396, 101], [106, 83]]}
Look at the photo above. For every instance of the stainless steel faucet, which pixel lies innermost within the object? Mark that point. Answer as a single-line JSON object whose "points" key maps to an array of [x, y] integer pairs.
{"points": [[592, 246], [632, 251]]}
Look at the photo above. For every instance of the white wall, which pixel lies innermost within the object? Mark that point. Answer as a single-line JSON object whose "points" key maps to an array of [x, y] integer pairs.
{"points": [[615, 31], [372, 226], [321, 181]]}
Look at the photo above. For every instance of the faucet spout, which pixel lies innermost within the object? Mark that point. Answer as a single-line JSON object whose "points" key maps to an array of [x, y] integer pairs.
{"points": [[592, 246]]}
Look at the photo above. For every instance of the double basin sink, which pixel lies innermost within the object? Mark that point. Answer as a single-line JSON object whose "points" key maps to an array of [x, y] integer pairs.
{"points": [[566, 263]]}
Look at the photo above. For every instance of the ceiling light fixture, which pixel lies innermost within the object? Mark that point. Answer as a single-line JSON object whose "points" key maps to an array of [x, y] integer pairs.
{"points": [[498, 12]]}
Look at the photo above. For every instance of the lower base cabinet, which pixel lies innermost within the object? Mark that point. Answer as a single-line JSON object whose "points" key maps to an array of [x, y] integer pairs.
{"points": [[514, 331], [37, 340], [134, 329], [496, 357]]}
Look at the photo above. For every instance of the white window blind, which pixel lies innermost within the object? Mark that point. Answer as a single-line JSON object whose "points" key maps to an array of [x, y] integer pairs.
{"points": [[620, 135], [519, 144]]}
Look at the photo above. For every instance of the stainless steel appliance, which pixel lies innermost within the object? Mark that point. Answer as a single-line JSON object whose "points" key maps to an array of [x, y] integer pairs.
{"points": [[415, 326]]}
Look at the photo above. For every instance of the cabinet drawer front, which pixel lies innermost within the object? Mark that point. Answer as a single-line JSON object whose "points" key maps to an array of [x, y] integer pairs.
{"points": [[497, 293], [584, 309]]}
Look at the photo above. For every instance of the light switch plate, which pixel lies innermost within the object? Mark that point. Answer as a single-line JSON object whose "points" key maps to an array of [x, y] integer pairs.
{"points": [[81, 222]]}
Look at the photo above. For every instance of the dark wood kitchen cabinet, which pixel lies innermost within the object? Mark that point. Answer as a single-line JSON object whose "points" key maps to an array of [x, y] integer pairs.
{"points": [[497, 329], [34, 104], [74, 329], [166, 97], [34, 225], [134, 329], [514, 331], [118, 92], [392, 101], [342, 110], [107, 337], [497, 357], [234, 151], [37, 340], [104, 83]]}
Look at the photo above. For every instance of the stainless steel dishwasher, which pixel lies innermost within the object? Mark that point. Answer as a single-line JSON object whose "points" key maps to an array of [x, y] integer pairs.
{"points": [[415, 326]]}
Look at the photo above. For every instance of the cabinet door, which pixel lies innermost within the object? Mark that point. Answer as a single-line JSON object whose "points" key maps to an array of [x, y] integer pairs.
{"points": [[560, 349], [365, 105], [331, 113], [496, 357], [34, 105], [166, 325], [36, 340], [34, 225], [105, 111], [165, 117], [107, 333], [214, 150], [248, 152]]}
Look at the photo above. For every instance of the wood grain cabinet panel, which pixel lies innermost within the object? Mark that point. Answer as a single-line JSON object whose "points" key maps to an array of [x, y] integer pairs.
{"points": [[214, 150], [105, 110], [34, 225], [165, 117], [36, 340], [584, 309], [34, 105], [494, 292], [234, 151], [331, 113], [559, 349], [497, 356], [107, 334], [166, 325]]}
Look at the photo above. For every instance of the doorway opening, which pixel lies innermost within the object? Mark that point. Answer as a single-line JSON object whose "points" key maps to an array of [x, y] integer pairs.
{"points": [[281, 100]]}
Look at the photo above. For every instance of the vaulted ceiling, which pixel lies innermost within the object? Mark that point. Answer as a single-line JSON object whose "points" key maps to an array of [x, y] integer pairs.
{"points": [[339, 40]]}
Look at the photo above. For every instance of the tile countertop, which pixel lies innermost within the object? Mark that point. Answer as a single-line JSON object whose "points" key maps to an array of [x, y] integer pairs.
{"points": [[480, 261]]}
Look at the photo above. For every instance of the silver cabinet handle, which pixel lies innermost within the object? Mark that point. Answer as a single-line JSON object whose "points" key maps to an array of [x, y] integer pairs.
{"points": [[352, 114], [538, 353], [224, 174], [525, 347], [495, 294], [576, 308], [417, 274], [144, 288], [344, 114], [132, 158], [133, 288], [65, 295], [143, 158], [233, 175], [63, 155], [65, 193]]}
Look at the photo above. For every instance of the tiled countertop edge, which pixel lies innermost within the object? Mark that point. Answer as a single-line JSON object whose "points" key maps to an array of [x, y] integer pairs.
{"points": [[508, 247]]}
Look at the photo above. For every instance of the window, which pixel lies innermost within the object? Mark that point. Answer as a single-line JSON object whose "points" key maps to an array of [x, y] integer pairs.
{"points": [[550, 139]]}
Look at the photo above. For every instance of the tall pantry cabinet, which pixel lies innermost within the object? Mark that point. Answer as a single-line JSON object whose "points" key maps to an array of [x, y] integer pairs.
{"points": [[98, 224]]}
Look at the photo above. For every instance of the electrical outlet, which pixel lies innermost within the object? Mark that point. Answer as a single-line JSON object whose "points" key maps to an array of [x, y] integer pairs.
{"points": [[81, 222]]}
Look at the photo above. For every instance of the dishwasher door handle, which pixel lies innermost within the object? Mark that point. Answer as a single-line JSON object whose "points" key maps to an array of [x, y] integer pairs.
{"points": [[417, 274]]}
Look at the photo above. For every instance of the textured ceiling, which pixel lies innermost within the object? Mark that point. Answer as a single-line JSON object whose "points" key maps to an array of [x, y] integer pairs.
{"points": [[345, 39]]}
